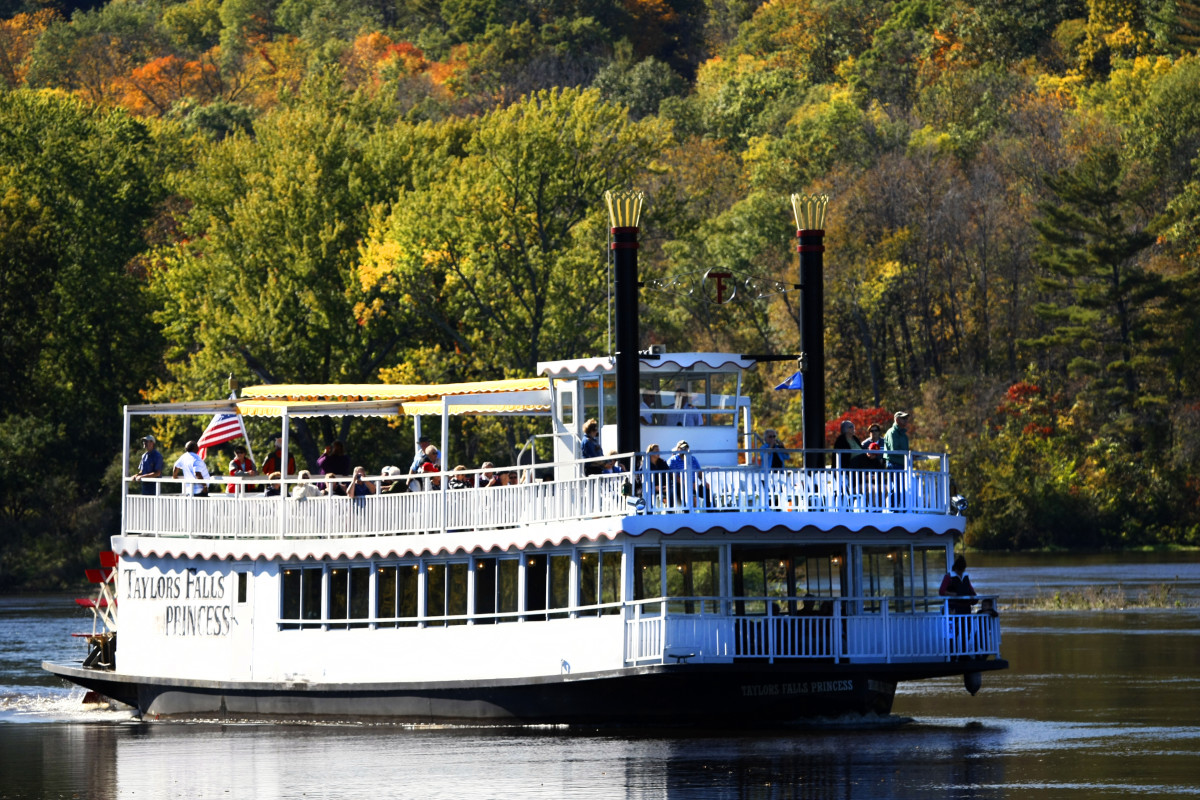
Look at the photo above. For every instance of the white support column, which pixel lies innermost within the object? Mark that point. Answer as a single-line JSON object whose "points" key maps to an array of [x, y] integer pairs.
{"points": [[125, 467], [283, 471]]}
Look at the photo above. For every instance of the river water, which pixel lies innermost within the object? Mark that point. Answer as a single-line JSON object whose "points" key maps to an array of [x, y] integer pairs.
{"points": [[1096, 704]]}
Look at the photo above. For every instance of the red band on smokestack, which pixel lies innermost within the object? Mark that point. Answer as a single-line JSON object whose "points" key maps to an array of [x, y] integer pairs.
{"points": [[810, 248], [623, 246]]}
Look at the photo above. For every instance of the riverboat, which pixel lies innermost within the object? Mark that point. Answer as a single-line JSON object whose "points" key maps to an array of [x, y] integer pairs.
{"points": [[740, 586], [736, 591]]}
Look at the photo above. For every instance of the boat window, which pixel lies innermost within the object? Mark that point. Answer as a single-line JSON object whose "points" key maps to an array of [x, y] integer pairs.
{"points": [[885, 574], [600, 580], [349, 595], [647, 576], [300, 594], [722, 389], [495, 589], [547, 584], [693, 572], [591, 398], [608, 399], [446, 592], [241, 586], [928, 568], [792, 578], [396, 595]]}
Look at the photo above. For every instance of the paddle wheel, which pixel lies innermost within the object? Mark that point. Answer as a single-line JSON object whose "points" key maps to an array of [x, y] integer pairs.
{"points": [[102, 641]]}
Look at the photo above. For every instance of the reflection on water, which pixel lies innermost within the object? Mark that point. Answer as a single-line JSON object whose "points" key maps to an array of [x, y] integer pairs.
{"points": [[1096, 705]]}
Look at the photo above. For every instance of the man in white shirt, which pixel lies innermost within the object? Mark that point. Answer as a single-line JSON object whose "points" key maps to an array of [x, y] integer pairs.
{"points": [[191, 467]]}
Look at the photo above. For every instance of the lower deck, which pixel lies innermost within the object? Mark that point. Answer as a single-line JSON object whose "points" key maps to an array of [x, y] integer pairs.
{"points": [[548, 611]]}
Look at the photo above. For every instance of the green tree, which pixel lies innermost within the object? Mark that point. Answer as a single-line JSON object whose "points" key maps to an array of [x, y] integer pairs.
{"points": [[1091, 239], [77, 190], [504, 256], [263, 283]]}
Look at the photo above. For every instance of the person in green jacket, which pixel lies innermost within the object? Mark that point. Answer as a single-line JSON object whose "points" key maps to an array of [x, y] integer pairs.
{"points": [[896, 439]]}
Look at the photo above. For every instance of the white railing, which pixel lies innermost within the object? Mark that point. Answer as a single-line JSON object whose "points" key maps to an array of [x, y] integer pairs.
{"points": [[254, 514], [837, 630]]}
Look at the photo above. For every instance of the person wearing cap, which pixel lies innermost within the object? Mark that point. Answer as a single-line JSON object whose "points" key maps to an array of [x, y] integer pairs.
{"points": [[192, 468], [391, 484], [683, 461], [896, 439], [151, 465]]}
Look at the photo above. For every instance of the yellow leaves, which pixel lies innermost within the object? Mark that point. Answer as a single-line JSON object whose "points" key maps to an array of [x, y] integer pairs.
{"points": [[17, 38], [1061, 88]]}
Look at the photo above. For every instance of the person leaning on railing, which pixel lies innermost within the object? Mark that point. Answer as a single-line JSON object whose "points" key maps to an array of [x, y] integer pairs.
{"points": [[770, 454], [192, 468]]}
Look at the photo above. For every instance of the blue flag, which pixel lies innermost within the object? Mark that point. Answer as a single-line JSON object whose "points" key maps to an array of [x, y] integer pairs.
{"points": [[794, 382]]}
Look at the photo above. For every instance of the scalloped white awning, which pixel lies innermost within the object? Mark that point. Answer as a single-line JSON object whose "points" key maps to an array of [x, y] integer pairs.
{"points": [[667, 362]]}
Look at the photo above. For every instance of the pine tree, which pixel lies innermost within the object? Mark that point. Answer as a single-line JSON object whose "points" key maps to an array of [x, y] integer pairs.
{"points": [[1091, 242]]}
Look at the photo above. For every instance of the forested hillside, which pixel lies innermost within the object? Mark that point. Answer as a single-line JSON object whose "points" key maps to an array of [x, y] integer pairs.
{"points": [[365, 190]]}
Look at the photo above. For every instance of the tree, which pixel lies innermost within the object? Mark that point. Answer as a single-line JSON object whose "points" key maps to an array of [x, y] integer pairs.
{"points": [[263, 282], [1091, 240], [502, 258]]}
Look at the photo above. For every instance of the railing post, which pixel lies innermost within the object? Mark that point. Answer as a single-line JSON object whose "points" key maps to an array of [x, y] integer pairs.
{"points": [[770, 632], [885, 615]]}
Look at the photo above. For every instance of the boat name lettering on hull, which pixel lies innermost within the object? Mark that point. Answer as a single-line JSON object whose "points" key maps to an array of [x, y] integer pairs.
{"points": [[173, 587], [808, 687], [197, 620]]}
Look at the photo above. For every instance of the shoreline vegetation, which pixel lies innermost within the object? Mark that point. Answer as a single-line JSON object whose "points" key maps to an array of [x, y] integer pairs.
{"points": [[331, 192], [1101, 598]]}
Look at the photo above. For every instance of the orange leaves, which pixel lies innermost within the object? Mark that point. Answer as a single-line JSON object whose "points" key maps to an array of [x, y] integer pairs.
{"points": [[17, 38], [152, 88], [375, 57]]}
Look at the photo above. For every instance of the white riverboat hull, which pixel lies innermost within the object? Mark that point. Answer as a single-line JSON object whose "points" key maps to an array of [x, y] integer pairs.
{"points": [[703, 695]]}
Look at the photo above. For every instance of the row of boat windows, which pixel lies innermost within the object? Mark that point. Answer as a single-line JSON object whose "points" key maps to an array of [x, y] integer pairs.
{"points": [[790, 578]]}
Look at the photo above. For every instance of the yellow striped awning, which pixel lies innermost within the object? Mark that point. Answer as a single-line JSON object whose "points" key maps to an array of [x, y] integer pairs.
{"points": [[312, 392]]}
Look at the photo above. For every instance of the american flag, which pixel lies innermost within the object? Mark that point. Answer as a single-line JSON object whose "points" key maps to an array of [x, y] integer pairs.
{"points": [[223, 428]]}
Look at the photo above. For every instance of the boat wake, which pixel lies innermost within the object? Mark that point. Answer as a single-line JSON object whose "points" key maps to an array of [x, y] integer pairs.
{"points": [[42, 704]]}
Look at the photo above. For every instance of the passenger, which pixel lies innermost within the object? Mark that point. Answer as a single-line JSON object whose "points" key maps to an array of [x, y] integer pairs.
{"points": [[334, 487], [488, 478], [854, 454], [274, 462], [359, 485], [612, 466], [305, 488], [897, 439], [958, 584], [690, 418], [241, 467], [191, 467], [590, 448], [771, 453], [334, 459], [648, 405], [432, 464], [872, 444], [415, 484], [653, 463], [151, 464], [393, 486], [274, 481], [684, 461], [459, 479]]}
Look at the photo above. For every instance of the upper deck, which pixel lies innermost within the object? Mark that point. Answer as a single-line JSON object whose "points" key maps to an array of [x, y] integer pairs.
{"points": [[697, 396]]}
